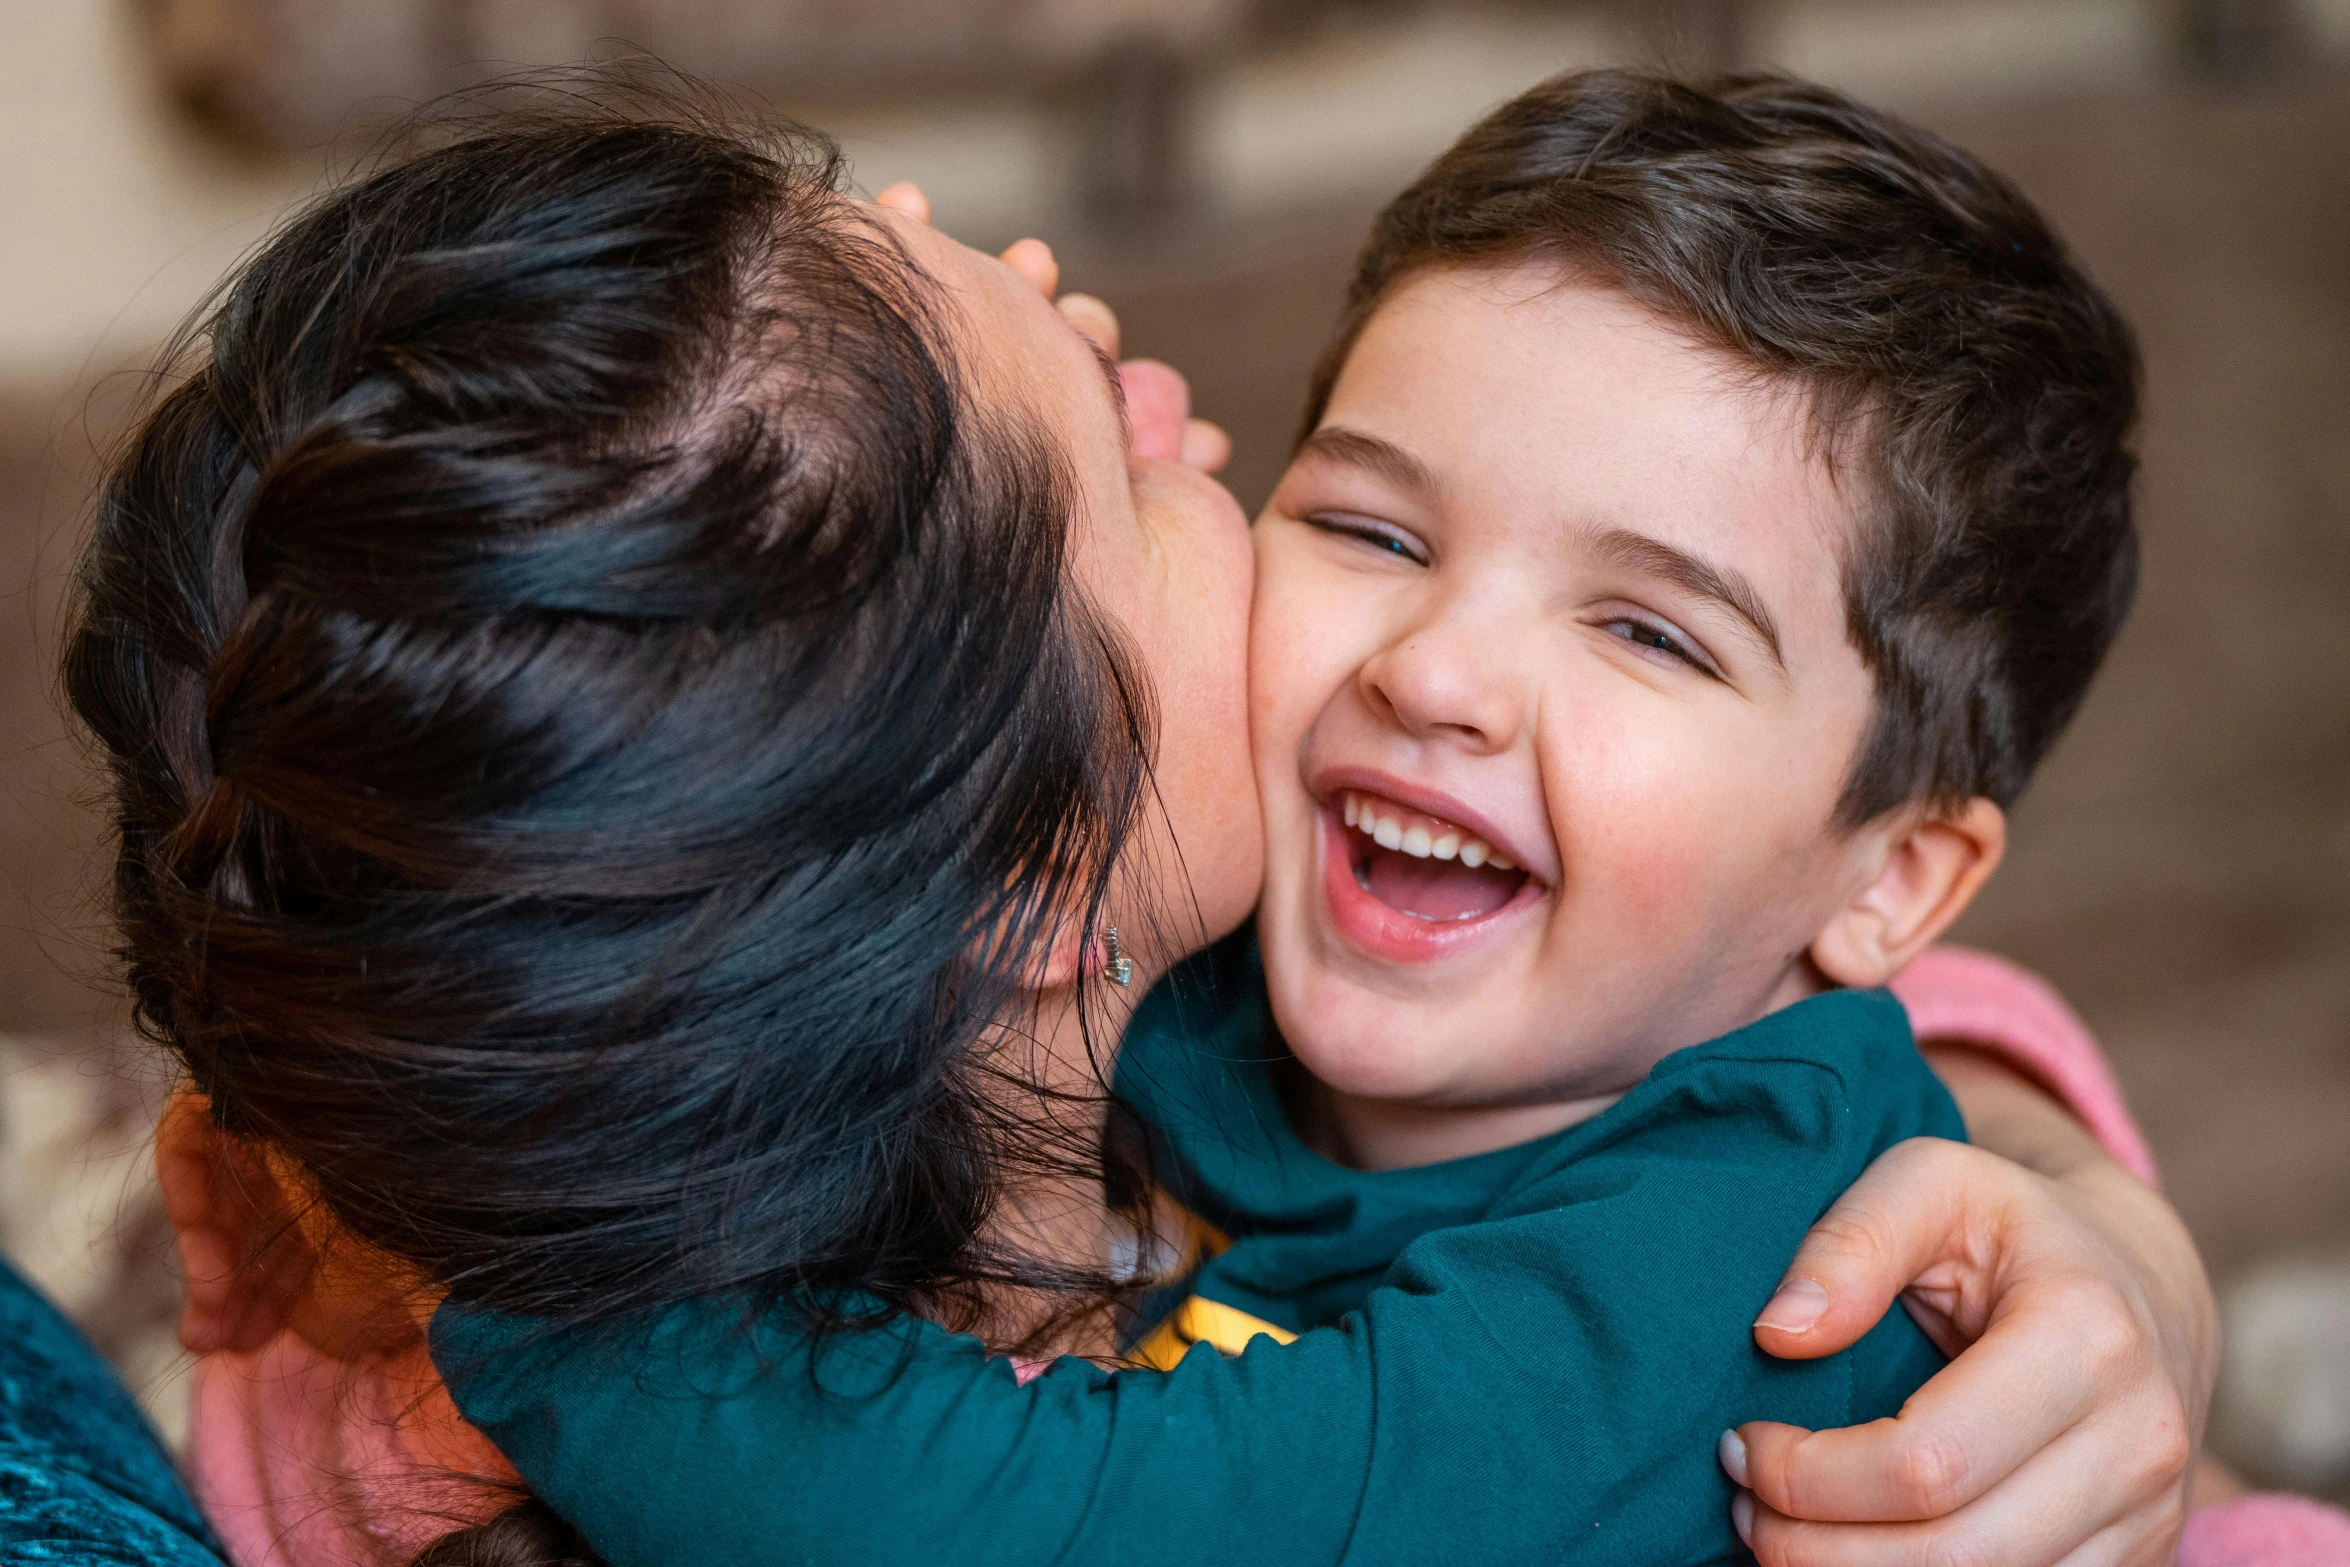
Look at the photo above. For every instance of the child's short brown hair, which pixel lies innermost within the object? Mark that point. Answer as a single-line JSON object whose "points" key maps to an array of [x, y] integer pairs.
{"points": [[1987, 387]]}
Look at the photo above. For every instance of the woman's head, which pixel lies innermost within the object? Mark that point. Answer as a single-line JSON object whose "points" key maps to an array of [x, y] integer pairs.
{"points": [[608, 715]]}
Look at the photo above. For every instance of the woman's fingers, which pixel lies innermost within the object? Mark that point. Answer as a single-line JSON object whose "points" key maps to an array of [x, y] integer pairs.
{"points": [[2064, 1428], [1793, 1542], [1970, 1427], [1205, 446], [1158, 408], [906, 197], [1892, 1226], [2036, 1520], [1034, 260], [1096, 320]]}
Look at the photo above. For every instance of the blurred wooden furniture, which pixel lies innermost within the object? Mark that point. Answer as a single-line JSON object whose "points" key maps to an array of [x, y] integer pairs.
{"points": [[298, 73], [2231, 38], [292, 74]]}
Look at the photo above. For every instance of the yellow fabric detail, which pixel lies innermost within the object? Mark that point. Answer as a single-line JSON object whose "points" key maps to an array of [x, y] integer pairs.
{"points": [[1201, 1240], [1200, 1320]]}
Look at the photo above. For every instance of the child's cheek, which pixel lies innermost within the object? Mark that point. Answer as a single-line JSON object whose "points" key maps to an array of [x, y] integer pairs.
{"points": [[1289, 624], [1640, 821], [1651, 868]]}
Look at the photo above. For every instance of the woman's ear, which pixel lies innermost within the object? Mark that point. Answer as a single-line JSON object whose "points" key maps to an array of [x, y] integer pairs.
{"points": [[260, 1256], [1931, 870], [245, 1264], [1073, 953]]}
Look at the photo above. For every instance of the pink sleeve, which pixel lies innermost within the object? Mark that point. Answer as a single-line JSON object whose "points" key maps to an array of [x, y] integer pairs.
{"points": [[2267, 1531], [1956, 994]]}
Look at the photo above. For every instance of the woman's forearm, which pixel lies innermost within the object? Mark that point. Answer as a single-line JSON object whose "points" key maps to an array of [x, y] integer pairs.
{"points": [[2012, 1015], [2010, 1114]]}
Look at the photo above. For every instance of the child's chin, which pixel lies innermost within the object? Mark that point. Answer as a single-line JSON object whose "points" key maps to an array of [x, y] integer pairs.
{"points": [[1399, 1078], [1368, 1046]]}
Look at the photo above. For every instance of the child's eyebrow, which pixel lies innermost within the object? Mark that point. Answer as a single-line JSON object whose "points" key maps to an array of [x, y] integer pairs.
{"points": [[1384, 458], [1655, 558]]}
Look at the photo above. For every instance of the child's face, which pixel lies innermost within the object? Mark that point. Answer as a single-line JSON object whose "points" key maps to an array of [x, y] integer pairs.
{"points": [[1553, 589]]}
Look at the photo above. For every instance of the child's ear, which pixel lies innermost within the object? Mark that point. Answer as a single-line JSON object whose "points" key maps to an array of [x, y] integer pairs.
{"points": [[1930, 873]]}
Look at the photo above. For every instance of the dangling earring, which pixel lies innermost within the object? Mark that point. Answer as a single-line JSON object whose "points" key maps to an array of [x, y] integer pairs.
{"points": [[1120, 968]]}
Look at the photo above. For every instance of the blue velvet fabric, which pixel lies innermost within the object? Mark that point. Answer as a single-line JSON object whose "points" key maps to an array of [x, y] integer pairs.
{"points": [[83, 1480]]}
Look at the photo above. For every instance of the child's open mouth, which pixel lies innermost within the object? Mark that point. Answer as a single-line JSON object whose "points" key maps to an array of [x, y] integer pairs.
{"points": [[1421, 865]]}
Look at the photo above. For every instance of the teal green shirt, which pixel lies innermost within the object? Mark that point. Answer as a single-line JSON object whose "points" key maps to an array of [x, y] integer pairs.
{"points": [[1522, 1357]]}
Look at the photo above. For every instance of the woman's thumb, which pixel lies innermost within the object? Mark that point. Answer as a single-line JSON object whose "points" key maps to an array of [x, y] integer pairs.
{"points": [[1897, 1220]]}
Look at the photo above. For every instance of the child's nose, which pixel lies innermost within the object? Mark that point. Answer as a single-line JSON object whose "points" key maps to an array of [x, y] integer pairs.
{"points": [[1447, 681]]}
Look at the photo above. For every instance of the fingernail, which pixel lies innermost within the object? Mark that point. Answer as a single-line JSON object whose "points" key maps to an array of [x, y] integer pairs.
{"points": [[1733, 1456], [1795, 1308], [1742, 1517]]}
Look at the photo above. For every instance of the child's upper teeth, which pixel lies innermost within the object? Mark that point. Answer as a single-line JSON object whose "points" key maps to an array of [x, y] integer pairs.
{"points": [[1420, 841]]}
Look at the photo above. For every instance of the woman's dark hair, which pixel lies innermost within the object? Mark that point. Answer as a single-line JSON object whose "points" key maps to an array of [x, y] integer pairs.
{"points": [[1931, 316], [601, 723], [528, 1534]]}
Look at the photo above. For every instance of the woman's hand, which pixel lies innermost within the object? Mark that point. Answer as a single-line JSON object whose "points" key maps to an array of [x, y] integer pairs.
{"points": [[2085, 1338], [1158, 399]]}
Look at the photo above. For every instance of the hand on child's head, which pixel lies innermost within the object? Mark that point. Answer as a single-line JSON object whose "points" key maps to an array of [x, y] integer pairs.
{"points": [[1158, 398]]}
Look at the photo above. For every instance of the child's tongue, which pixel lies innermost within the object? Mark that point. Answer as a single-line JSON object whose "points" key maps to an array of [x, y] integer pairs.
{"points": [[1435, 889]]}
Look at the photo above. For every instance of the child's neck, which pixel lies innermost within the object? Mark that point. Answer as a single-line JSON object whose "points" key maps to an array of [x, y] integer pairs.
{"points": [[1391, 1134], [1397, 1134]]}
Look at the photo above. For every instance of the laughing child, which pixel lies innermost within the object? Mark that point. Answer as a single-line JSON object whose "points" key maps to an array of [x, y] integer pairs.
{"points": [[1714, 505]]}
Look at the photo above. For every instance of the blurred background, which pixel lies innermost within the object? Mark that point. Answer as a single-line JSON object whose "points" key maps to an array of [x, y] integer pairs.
{"points": [[2182, 870]]}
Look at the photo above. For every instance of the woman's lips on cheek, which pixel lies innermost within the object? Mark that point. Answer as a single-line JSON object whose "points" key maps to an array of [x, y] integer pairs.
{"points": [[1405, 907]]}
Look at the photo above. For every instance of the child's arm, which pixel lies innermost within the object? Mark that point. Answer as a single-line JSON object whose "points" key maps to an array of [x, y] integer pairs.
{"points": [[83, 1479], [1543, 1387]]}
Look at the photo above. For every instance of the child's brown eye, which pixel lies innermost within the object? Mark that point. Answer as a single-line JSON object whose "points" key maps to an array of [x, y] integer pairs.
{"points": [[1657, 639], [1369, 533], [1649, 636]]}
